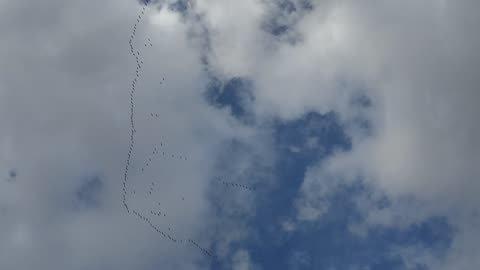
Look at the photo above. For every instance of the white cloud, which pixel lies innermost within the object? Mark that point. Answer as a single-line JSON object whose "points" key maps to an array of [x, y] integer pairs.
{"points": [[417, 63], [421, 67], [241, 261]]}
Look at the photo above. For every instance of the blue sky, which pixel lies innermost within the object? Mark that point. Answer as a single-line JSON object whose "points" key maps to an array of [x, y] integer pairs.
{"points": [[328, 243], [253, 134]]}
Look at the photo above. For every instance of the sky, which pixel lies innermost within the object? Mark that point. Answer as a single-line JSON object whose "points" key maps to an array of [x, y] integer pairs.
{"points": [[254, 134]]}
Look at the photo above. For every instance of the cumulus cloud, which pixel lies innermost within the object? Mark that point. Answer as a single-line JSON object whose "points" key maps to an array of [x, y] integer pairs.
{"points": [[419, 62], [241, 261], [415, 63]]}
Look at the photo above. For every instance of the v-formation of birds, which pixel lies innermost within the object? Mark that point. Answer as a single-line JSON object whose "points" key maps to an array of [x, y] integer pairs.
{"points": [[160, 153], [157, 152]]}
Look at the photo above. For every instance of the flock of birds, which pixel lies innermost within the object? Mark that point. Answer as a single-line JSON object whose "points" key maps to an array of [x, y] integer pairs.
{"points": [[236, 185], [156, 152], [139, 64], [169, 236], [163, 233]]}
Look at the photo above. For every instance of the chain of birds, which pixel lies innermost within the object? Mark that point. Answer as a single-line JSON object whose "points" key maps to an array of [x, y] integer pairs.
{"points": [[236, 185], [168, 236], [163, 233], [135, 53], [132, 110], [139, 63]]}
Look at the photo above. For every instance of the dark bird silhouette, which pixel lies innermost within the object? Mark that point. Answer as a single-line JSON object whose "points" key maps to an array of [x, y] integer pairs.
{"points": [[12, 174]]}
